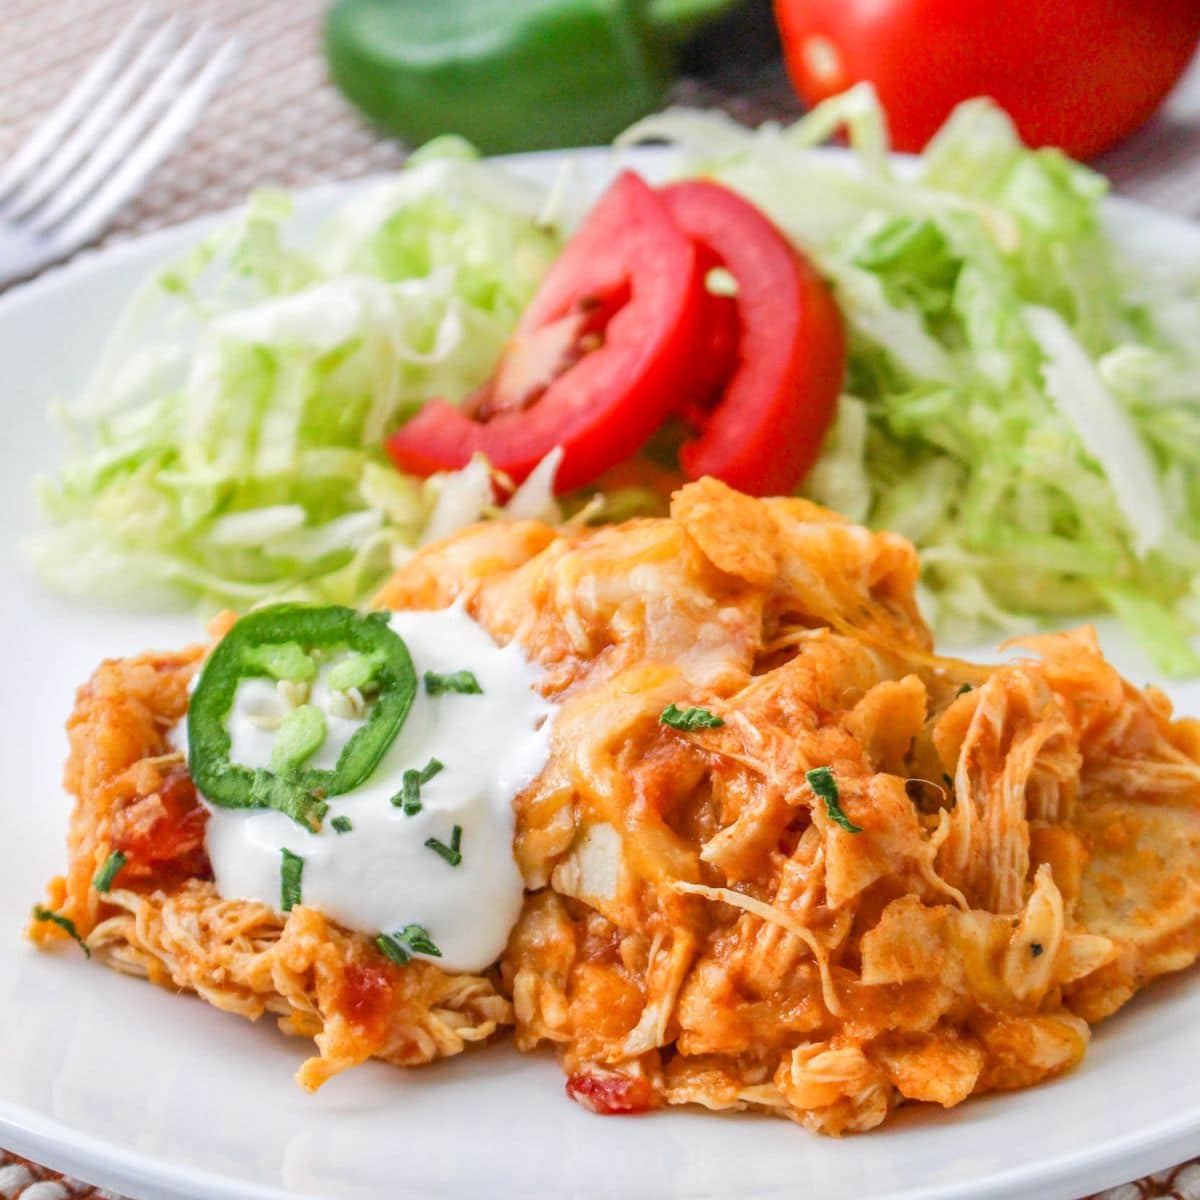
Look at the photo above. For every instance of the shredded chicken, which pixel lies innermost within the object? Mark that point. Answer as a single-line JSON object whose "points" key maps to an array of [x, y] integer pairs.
{"points": [[701, 926]]}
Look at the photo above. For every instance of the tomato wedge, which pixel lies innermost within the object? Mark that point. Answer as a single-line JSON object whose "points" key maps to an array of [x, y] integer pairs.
{"points": [[597, 358], [763, 431]]}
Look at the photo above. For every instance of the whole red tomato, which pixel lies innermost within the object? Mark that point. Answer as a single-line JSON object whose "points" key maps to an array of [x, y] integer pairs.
{"points": [[1078, 74]]}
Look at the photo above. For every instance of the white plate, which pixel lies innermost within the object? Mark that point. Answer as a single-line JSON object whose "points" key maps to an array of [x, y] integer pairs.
{"points": [[162, 1096]]}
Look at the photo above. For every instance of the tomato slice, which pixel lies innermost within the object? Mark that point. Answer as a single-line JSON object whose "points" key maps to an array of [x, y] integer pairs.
{"points": [[763, 431], [596, 360]]}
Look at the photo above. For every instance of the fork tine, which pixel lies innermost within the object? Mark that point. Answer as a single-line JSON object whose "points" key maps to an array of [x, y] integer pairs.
{"points": [[123, 135], [47, 134], [169, 130], [85, 135]]}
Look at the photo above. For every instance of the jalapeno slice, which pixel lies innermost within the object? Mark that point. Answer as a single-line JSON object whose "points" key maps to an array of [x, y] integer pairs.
{"points": [[248, 650]]}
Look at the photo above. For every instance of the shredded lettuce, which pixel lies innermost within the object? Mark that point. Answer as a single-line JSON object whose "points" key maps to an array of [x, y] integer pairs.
{"points": [[1022, 400], [1023, 394], [230, 442]]}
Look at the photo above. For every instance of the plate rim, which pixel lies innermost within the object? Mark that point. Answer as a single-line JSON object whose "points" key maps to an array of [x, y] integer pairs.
{"points": [[33, 1134], [53, 1143]]}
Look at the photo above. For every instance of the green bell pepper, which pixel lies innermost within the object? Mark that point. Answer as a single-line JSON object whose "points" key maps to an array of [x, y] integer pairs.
{"points": [[509, 74]]}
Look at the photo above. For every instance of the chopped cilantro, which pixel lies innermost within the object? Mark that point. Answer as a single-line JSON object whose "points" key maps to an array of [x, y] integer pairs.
{"points": [[462, 682], [401, 946], [689, 719], [341, 824], [392, 948], [290, 871], [64, 923], [823, 784], [417, 938], [107, 873]]}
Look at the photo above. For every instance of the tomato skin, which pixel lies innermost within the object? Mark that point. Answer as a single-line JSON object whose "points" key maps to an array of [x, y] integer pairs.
{"points": [[1077, 74], [611, 1094], [630, 256], [765, 430], [715, 353]]}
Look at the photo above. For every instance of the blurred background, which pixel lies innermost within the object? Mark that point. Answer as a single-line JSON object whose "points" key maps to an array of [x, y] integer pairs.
{"points": [[520, 74]]}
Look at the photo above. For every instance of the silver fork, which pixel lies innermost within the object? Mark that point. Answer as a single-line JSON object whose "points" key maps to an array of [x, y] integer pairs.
{"points": [[124, 115]]}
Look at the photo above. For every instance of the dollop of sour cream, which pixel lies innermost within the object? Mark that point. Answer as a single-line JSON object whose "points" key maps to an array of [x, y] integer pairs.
{"points": [[381, 876]]}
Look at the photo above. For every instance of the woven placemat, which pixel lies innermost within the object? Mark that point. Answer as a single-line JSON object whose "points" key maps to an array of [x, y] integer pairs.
{"points": [[278, 122]]}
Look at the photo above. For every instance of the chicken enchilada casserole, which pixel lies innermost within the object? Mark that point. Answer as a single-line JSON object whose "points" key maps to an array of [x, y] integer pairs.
{"points": [[691, 800]]}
